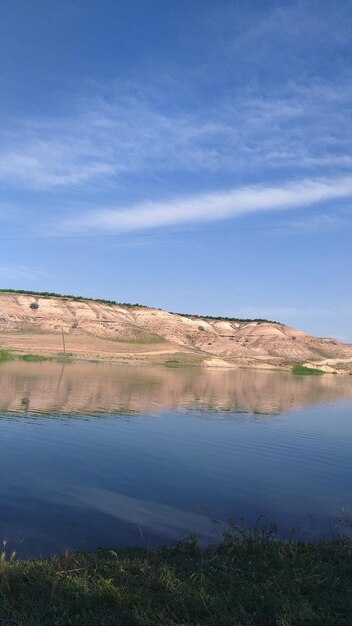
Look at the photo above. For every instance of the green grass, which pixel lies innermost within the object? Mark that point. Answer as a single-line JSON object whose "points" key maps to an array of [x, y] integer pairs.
{"points": [[247, 580], [5, 356], [29, 358], [35, 358], [306, 371], [142, 340]]}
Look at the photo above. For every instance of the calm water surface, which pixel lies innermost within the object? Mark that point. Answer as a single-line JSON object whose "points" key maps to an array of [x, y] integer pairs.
{"points": [[96, 455]]}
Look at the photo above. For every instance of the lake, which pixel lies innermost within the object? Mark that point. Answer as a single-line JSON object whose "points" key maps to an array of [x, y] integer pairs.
{"points": [[96, 455]]}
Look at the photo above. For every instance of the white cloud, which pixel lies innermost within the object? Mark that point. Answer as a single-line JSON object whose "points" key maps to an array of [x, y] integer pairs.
{"points": [[52, 161], [292, 126], [320, 222], [14, 272], [211, 206]]}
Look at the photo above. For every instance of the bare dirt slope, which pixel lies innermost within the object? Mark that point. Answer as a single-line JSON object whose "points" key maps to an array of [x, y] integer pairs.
{"points": [[113, 332]]}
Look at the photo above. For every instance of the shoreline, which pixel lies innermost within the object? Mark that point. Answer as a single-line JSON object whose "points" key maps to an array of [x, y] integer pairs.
{"points": [[171, 360]]}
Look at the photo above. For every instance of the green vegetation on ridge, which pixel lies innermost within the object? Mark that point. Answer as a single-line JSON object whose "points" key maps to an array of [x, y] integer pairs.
{"points": [[48, 294], [228, 319], [247, 580]]}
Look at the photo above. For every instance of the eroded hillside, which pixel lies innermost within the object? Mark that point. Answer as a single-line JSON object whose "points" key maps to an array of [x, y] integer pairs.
{"points": [[95, 330]]}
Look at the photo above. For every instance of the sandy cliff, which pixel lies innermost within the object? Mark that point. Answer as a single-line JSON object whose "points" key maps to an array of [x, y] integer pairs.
{"points": [[112, 332]]}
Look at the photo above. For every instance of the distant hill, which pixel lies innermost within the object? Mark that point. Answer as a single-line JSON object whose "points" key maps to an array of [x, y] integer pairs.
{"points": [[106, 330], [49, 294]]}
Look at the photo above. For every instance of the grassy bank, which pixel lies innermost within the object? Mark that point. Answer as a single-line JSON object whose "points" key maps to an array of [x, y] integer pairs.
{"points": [[5, 356], [302, 370], [245, 581], [34, 358]]}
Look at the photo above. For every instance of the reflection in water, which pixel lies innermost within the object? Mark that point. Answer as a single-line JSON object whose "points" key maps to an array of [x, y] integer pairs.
{"points": [[160, 462], [91, 388]]}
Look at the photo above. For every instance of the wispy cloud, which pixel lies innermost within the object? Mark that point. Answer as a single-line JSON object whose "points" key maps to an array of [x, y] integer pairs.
{"points": [[13, 272], [320, 222], [211, 206], [299, 126]]}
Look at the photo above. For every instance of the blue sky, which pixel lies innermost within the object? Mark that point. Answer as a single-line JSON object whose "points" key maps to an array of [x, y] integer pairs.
{"points": [[191, 155]]}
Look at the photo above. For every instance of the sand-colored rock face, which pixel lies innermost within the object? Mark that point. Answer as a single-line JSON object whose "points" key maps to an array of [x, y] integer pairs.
{"points": [[112, 332]]}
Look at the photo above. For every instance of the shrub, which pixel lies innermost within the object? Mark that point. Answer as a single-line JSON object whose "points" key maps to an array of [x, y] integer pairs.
{"points": [[302, 370], [5, 356]]}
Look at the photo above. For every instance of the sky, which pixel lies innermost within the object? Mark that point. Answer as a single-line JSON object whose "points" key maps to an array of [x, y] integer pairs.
{"points": [[192, 155]]}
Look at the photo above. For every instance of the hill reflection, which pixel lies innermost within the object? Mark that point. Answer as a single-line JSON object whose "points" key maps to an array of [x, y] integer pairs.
{"points": [[93, 388]]}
